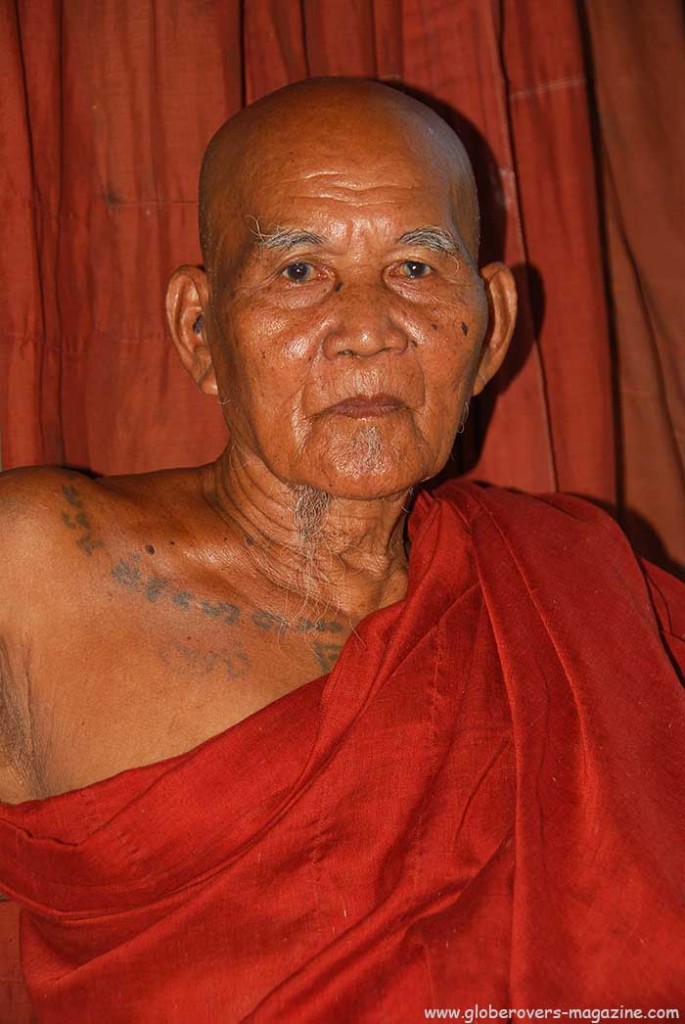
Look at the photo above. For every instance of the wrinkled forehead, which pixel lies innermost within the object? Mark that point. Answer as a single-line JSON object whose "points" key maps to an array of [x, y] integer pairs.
{"points": [[292, 158], [328, 180]]}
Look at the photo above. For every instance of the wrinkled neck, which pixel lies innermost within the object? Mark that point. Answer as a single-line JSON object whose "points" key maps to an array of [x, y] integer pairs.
{"points": [[343, 554]]}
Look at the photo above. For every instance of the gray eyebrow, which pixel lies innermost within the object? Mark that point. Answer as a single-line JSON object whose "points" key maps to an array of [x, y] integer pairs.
{"points": [[280, 238], [435, 239], [284, 238]]}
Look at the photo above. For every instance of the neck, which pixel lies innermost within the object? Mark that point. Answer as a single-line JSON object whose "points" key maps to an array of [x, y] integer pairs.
{"points": [[338, 554]]}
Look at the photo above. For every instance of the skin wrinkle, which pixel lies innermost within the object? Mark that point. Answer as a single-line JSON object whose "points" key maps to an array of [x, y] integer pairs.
{"points": [[19, 751], [15, 742], [258, 552]]}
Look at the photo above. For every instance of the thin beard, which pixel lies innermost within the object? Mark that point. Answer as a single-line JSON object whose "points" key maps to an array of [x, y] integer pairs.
{"points": [[311, 504], [368, 446], [311, 509], [310, 513]]}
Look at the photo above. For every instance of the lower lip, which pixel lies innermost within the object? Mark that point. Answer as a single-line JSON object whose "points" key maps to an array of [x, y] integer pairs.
{"points": [[364, 410]]}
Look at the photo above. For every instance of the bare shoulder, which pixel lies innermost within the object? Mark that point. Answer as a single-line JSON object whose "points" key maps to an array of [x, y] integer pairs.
{"points": [[61, 531], [50, 512], [47, 517], [63, 538], [36, 506], [32, 534]]}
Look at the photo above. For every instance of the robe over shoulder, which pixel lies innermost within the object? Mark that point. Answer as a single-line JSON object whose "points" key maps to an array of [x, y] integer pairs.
{"points": [[482, 803]]}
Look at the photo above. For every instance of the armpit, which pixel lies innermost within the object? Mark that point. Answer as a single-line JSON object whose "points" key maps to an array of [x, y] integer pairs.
{"points": [[17, 769]]}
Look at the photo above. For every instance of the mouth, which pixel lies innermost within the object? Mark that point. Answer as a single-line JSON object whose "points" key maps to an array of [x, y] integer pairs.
{"points": [[364, 406]]}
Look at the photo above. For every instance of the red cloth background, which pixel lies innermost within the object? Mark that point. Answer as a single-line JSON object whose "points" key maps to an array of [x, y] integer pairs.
{"points": [[574, 119]]}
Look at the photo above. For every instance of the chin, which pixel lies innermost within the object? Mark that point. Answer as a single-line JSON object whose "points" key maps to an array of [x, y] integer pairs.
{"points": [[369, 462], [361, 482], [368, 490]]}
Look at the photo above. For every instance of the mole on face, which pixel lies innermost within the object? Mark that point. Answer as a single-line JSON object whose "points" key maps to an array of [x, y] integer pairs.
{"points": [[149, 548], [338, 287], [464, 328]]}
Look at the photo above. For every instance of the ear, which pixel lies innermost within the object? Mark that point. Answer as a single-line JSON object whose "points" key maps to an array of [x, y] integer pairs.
{"points": [[500, 290], [187, 298]]}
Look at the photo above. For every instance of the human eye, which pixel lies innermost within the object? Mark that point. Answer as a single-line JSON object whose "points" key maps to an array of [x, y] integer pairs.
{"points": [[298, 272], [414, 269]]}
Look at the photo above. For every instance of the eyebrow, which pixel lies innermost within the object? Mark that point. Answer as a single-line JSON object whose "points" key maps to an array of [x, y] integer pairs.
{"points": [[284, 238], [436, 239]]}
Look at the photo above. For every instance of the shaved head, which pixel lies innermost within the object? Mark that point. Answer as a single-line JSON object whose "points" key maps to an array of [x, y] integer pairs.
{"points": [[308, 124]]}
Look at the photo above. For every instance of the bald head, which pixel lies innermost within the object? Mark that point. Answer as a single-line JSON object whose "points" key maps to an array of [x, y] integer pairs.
{"points": [[309, 127]]}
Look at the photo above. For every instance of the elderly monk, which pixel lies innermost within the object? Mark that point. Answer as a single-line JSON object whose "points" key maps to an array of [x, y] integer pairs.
{"points": [[277, 750]]}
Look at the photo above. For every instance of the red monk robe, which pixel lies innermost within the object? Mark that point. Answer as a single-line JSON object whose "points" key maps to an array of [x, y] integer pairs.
{"points": [[483, 803]]}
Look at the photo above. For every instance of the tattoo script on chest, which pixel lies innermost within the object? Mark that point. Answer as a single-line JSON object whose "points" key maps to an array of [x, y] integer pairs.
{"points": [[133, 574]]}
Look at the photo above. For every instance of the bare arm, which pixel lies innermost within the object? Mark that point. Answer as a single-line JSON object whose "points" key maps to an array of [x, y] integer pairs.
{"points": [[15, 767], [30, 538]]}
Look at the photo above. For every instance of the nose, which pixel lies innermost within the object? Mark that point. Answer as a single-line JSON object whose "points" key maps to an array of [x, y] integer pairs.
{"points": [[363, 323]]}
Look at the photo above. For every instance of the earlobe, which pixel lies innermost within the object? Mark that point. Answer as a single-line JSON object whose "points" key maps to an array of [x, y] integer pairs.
{"points": [[500, 289], [186, 299]]}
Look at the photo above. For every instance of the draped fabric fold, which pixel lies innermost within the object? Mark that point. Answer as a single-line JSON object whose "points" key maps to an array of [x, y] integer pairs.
{"points": [[480, 803]]}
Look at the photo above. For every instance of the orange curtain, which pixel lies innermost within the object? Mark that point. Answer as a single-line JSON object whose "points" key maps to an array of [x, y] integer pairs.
{"points": [[572, 114], [639, 76]]}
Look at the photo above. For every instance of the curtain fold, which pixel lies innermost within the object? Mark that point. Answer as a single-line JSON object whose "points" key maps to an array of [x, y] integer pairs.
{"points": [[639, 78]]}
